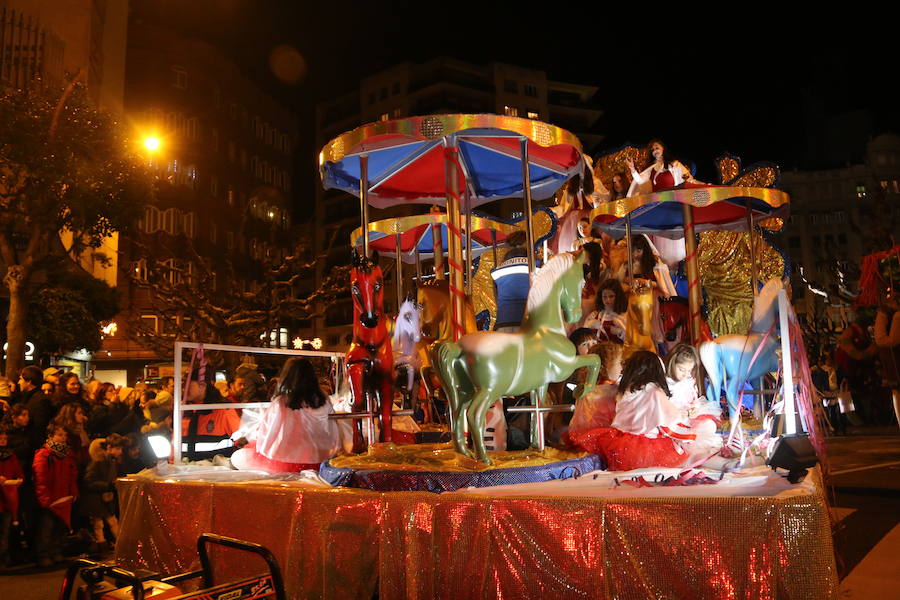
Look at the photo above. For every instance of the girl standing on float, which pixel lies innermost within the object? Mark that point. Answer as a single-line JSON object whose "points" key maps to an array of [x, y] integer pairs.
{"points": [[648, 269], [611, 318], [661, 172]]}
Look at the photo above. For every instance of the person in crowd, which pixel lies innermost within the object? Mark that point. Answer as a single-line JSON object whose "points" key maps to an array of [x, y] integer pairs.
{"points": [[98, 488], [21, 435], [6, 393], [56, 486], [11, 477], [136, 454], [661, 172], [40, 408], [295, 432], [610, 319], [698, 415], [68, 391], [639, 433], [887, 338], [208, 432], [72, 418]]}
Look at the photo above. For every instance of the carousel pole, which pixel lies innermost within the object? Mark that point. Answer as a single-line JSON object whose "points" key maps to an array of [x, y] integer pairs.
{"points": [[494, 246], [454, 240], [418, 265], [399, 267], [438, 245], [468, 206], [364, 200], [629, 266], [754, 276], [695, 297], [526, 194]]}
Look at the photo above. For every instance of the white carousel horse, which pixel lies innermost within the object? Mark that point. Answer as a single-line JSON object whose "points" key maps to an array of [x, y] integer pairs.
{"points": [[407, 335]]}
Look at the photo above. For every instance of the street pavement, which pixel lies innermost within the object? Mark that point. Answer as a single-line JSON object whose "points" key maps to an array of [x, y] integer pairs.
{"points": [[864, 495]]}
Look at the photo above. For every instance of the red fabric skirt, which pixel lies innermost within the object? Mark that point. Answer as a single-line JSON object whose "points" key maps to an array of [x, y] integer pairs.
{"points": [[626, 451], [248, 458]]}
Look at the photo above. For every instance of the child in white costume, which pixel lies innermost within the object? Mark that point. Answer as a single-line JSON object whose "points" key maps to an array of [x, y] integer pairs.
{"points": [[701, 417]]}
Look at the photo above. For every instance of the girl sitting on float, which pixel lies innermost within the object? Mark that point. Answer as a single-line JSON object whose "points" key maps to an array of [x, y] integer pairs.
{"points": [[661, 172], [295, 432], [598, 408], [702, 417], [639, 435], [610, 320]]}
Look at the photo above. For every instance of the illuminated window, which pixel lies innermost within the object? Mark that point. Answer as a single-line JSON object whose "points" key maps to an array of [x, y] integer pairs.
{"points": [[149, 323], [533, 115], [179, 77], [384, 117], [510, 111]]}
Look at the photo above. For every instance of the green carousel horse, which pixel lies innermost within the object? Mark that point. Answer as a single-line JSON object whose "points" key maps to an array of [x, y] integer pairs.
{"points": [[484, 366]]}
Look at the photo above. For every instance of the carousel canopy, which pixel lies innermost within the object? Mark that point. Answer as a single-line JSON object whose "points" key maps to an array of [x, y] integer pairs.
{"points": [[715, 207], [417, 231], [407, 165]]}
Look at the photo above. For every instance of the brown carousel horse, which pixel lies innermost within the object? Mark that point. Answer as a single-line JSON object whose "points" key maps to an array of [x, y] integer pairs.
{"points": [[437, 325], [370, 360]]}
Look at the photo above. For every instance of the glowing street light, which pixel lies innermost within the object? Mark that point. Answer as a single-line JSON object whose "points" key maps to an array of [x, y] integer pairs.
{"points": [[152, 143]]}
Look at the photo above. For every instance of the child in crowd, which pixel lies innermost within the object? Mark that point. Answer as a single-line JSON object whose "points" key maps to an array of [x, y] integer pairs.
{"points": [[56, 485], [639, 435], [295, 432], [598, 408], [98, 501], [11, 477], [702, 418]]}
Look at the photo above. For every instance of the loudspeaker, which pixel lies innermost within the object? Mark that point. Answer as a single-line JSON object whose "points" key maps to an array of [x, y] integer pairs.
{"points": [[795, 453]]}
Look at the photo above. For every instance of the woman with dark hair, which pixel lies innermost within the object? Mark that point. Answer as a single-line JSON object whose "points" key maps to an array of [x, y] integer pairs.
{"points": [[71, 417], [595, 274], [661, 172], [69, 390], [610, 320], [295, 432]]}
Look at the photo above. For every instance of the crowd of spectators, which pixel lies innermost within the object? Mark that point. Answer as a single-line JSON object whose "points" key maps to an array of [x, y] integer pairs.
{"points": [[64, 443]]}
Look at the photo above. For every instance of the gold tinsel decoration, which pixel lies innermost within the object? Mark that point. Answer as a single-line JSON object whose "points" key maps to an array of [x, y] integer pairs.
{"points": [[725, 276]]}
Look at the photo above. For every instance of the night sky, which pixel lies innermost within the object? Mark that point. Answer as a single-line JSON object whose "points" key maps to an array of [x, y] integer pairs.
{"points": [[755, 84]]}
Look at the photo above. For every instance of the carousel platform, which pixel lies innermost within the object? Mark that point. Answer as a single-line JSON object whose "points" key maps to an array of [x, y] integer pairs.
{"points": [[437, 468], [751, 535]]}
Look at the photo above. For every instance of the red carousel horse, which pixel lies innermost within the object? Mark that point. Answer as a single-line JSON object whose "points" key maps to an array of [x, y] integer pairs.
{"points": [[370, 359], [675, 316]]}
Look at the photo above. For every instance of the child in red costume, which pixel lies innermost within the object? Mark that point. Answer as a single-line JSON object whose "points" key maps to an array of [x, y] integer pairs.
{"points": [[56, 485], [640, 435]]}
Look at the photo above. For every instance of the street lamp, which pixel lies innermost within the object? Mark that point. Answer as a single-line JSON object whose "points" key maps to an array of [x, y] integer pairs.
{"points": [[152, 143]]}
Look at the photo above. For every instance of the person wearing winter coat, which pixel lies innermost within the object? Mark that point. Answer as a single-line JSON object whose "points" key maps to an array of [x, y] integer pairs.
{"points": [[98, 499], [56, 487], [11, 478]]}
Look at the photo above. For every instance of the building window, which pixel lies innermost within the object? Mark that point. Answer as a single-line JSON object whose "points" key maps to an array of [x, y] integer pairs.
{"points": [[229, 196], [149, 323], [382, 93], [510, 86], [371, 97], [884, 185], [510, 111], [384, 117], [396, 113], [151, 219], [213, 233], [140, 270], [531, 90], [168, 221], [214, 186], [395, 89], [215, 140], [533, 115], [179, 77], [840, 216], [188, 224]]}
